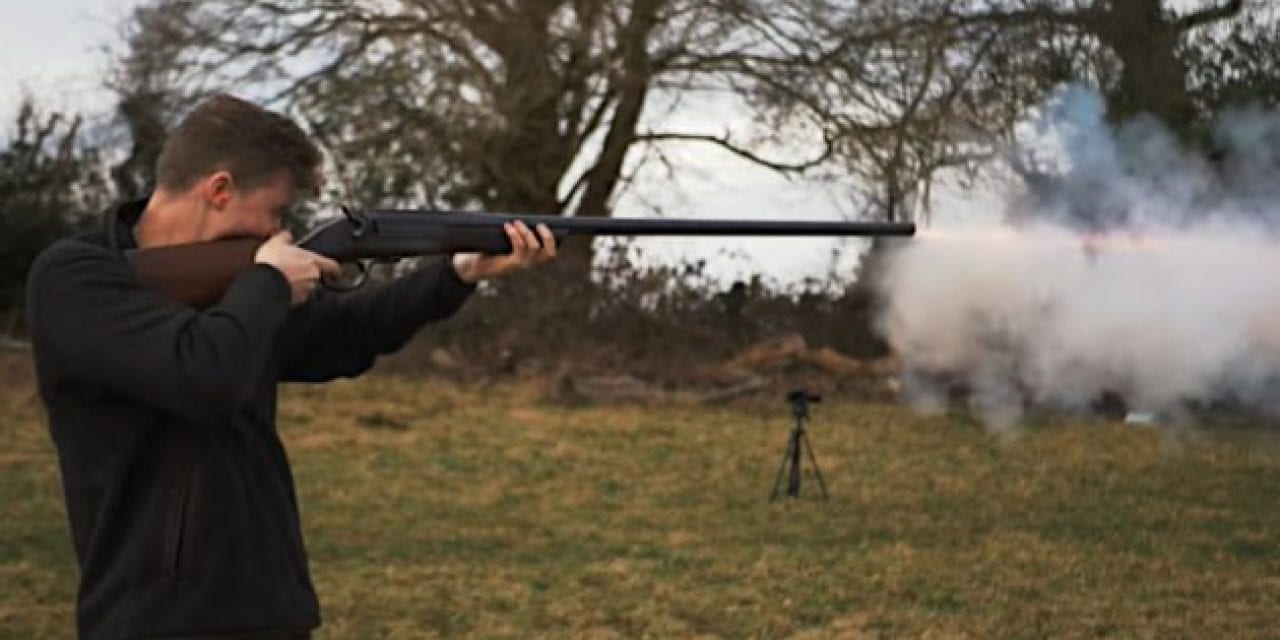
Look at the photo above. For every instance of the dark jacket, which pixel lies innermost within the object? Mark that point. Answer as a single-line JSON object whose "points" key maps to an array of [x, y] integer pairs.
{"points": [[179, 493]]}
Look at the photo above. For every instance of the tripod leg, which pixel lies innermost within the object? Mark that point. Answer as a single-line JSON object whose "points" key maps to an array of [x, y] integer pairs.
{"points": [[777, 480], [793, 483], [817, 472]]}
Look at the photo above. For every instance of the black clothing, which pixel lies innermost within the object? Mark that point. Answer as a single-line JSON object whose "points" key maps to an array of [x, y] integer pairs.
{"points": [[179, 494]]}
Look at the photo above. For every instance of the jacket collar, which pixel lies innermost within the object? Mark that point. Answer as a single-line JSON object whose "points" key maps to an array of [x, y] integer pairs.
{"points": [[119, 221]]}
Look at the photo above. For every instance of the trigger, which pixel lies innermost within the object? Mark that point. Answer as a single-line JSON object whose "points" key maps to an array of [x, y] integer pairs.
{"points": [[351, 278]]}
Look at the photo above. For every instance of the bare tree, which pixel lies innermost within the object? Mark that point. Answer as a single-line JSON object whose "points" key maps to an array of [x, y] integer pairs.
{"points": [[540, 105], [959, 74], [536, 105], [1133, 50]]}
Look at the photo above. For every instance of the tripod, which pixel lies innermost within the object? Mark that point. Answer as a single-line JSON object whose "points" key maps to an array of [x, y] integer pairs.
{"points": [[792, 459]]}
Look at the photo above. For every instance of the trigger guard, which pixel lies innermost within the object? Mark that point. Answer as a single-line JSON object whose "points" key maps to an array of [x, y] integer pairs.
{"points": [[340, 286]]}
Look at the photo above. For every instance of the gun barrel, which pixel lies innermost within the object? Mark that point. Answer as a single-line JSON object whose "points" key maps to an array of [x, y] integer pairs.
{"points": [[391, 221], [199, 274]]}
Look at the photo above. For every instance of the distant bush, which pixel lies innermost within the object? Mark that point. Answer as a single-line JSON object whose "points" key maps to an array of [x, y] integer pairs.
{"points": [[50, 184], [657, 321]]}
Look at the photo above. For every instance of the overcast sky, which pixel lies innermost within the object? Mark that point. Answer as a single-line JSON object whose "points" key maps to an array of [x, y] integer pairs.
{"points": [[54, 51]]}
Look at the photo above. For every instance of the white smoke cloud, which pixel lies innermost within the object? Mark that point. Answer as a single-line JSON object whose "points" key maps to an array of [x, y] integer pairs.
{"points": [[1126, 267]]}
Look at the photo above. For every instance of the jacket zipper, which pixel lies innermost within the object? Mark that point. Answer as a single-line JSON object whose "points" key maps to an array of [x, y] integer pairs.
{"points": [[177, 526]]}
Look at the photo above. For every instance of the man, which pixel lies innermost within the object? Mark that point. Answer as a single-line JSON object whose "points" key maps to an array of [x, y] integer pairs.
{"points": [[179, 493]]}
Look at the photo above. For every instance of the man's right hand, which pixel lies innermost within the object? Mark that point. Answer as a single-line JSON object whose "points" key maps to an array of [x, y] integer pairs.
{"points": [[300, 267]]}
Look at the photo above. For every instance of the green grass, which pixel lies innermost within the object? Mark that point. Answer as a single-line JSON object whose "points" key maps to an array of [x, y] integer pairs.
{"points": [[440, 511]]}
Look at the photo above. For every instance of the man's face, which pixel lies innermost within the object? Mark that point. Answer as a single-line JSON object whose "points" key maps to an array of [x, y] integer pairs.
{"points": [[258, 212]]}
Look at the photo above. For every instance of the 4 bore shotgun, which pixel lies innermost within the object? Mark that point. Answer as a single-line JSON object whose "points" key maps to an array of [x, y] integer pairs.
{"points": [[199, 274]]}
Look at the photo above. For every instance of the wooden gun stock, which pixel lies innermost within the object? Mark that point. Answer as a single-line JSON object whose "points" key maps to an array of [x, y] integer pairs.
{"points": [[196, 274]]}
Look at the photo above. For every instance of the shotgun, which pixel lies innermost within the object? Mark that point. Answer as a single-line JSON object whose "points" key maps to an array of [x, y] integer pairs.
{"points": [[198, 274]]}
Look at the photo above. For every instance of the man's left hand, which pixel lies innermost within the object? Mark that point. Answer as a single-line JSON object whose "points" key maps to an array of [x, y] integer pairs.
{"points": [[527, 250]]}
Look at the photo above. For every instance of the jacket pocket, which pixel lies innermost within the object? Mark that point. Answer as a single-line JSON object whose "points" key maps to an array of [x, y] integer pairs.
{"points": [[178, 523]]}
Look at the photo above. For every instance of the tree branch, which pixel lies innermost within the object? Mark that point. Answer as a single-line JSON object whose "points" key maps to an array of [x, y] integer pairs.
{"points": [[1018, 18], [1211, 14], [724, 143]]}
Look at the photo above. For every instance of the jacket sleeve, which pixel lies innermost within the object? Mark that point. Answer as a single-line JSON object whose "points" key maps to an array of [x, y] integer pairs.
{"points": [[341, 335], [95, 324]]}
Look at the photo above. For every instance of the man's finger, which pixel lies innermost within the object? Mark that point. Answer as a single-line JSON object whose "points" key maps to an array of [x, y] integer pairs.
{"points": [[517, 240], [328, 266], [548, 242], [313, 273], [530, 240], [528, 244]]}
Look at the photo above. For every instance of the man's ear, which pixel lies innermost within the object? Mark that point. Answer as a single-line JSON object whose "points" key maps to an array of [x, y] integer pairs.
{"points": [[218, 188]]}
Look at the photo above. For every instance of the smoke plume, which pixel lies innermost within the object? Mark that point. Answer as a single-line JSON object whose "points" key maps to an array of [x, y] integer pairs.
{"points": [[1123, 266]]}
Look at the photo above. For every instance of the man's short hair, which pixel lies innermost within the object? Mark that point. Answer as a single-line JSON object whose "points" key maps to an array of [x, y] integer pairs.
{"points": [[225, 133]]}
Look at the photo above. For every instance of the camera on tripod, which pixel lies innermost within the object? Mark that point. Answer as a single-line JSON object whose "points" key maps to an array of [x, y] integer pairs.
{"points": [[800, 401], [797, 444]]}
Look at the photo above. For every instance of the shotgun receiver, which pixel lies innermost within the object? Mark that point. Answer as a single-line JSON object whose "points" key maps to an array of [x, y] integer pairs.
{"points": [[199, 274]]}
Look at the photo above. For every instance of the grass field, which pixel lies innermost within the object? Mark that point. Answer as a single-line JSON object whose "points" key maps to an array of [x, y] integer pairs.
{"points": [[440, 511]]}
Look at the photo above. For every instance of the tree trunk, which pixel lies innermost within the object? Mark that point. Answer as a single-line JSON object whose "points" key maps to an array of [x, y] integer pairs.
{"points": [[1145, 37], [633, 90], [1154, 80], [527, 159]]}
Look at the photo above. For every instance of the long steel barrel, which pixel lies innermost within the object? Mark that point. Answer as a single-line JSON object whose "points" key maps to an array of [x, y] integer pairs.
{"points": [[403, 220]]}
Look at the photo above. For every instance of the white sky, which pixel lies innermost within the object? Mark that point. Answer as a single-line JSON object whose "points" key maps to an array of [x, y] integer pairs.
{"points": [[55, 51], [52, 50]]}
